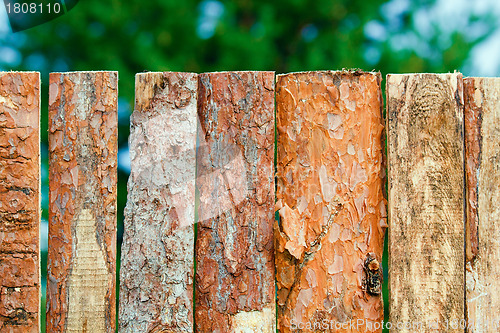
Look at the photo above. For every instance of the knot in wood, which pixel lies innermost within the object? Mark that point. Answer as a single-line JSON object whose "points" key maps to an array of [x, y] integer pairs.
{"points": [[373, 277]]}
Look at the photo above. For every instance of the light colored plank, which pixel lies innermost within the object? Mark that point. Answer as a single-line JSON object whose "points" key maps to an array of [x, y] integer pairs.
{"points": [[157, 267], [235, 180], [19, 202], [82, 202], [482, 129], [330, 175], [426, 201]]}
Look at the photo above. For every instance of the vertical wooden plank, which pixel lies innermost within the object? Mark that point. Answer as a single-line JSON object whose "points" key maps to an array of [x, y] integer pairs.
{"points": [[156, 276], [329, 240], [82, 202], [482, 151], [426, 201], [235, 180], [19, 202]]}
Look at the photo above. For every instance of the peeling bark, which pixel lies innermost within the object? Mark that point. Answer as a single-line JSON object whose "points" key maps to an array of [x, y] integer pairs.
{"points": [[156, 276], [426, 200], [82, 202], [472, 125], [234, 248], [482, 152], [332, 211], [19, 202]]}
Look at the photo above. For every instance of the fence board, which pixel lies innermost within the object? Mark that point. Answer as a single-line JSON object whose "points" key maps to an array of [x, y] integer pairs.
{"points": [[426, 201], [329, 241], [482, 119], [19, 202], [235, 179], [82, 202], [156, 276]]}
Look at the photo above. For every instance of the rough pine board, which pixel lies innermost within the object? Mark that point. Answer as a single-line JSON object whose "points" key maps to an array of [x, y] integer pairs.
{"points": [[235, 180], [426, 199], [482, 119], [330, 198], [156, 290], [82, 202], [19, 201]]}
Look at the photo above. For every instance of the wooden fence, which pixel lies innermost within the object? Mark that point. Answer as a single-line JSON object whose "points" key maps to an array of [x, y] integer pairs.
{"points": [[228, 150]]}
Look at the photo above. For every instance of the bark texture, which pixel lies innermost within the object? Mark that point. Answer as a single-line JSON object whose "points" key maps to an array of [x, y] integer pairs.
{"points": [[235, 180], [426, 201], [82, 202], [19, 202], [330, 176], [482, 129], [156, 276]]}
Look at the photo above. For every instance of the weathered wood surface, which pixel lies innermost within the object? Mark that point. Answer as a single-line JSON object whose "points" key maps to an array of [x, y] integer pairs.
{"points": [[82, 202], [426, 201], [235, 179], [330, 175], [482, 153], [19, 202], [156, 275]]}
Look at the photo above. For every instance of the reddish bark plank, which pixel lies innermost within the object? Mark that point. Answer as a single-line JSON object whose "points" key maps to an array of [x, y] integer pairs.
{"points": [[156, 276], [330, 175], [82, 202], [19, 202], [234, 248], [482, 153], [426, 202], [472, 125]]}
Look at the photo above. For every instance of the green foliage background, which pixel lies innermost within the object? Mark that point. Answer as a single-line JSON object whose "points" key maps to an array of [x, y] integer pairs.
{"points": [[199, 36]]}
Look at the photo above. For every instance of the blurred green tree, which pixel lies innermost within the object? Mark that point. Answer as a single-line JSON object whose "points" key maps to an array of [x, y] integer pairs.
{"points": [[210, 35]]}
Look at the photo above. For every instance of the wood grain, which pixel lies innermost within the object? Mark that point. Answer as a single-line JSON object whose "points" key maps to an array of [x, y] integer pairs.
{"points": [[235, 180], [330, 176], [156, 276], [426, 201], [482, 153], [19, 202], [82, 202]]}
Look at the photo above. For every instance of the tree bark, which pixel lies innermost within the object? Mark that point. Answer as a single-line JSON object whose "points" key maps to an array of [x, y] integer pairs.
{"points": [[426, 201], [482, 153], [329, 239], [234, 247], [156, 276], [19, 202], [82, 202]]}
